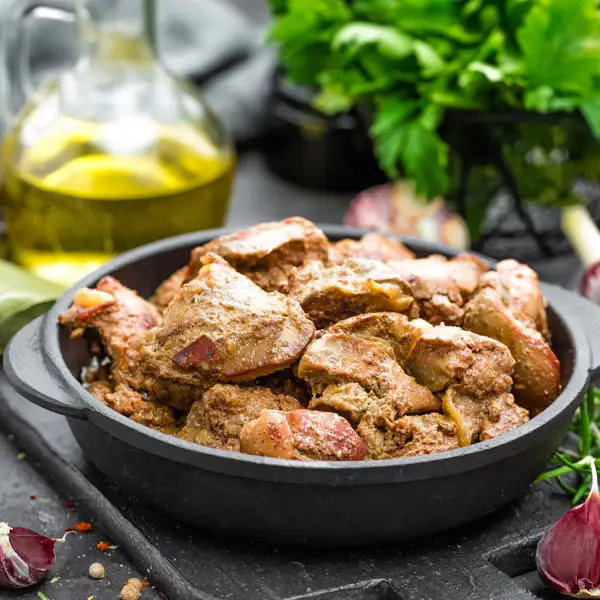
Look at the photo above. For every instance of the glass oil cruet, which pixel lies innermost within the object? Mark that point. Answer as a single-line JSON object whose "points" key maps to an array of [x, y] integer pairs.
{"points": [[113, 153]]}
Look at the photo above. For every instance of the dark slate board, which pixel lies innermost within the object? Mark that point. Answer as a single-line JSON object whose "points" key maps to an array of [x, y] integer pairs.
{"points": [[492, 558]]}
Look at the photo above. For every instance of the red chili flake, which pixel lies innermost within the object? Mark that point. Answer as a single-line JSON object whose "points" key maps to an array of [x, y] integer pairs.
{"points": [[69, 504], [103, 546], [32, 496], [145, 584], [81, 527]]}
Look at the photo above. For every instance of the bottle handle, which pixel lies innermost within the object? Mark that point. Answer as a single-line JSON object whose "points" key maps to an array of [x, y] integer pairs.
{"points": [[17, 48]]}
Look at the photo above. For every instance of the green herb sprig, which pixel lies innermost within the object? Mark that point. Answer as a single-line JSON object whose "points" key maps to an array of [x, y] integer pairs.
{"points": [[577, 461], [411, 61], [23, 297]]}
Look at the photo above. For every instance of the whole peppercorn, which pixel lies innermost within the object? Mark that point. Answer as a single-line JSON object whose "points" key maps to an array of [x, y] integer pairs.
{"points": [[96, 571], [131, 590]]}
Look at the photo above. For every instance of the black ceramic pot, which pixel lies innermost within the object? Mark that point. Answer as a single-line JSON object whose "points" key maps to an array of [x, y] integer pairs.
{"points": [[325, 503], [314, 150]]}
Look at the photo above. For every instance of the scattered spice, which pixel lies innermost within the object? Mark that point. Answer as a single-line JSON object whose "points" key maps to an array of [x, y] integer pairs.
{"points": [[103, 546], [145, 584], [96, 571], [21, 456], [81, 527], [32, 496], [136, 583], [568, 554], [54, 579], [131, 590], [26, 556], [69, 505]]}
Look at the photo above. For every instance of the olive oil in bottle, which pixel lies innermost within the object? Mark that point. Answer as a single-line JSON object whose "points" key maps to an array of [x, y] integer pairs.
{"points": [[114, 153], [69, 206]]}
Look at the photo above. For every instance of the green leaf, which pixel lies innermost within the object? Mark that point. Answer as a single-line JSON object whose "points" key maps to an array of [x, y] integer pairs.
{"points": [[388, 40], [591, 111], [558, 41], [491, 73], [403, 135], [430, 61], [23, 297], [333, 99], [539, 99]]}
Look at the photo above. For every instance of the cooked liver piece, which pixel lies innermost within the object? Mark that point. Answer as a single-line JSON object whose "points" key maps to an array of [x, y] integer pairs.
{"points": [[132, 404], [372, 245], [469, 370], [356, 286], [121, 318], [467, 413], [408, 436], [359, 378], [342, 358], [302, 435], [221, 327], [169, 287], [537, 370], [394, 328], [503, 415], [217, 420], [440, 286], [471, 363], [518, 287], [268, 253]]}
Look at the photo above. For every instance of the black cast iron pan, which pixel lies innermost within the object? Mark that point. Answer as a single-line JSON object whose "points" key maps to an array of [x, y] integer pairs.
{"points": [[325, 503]]}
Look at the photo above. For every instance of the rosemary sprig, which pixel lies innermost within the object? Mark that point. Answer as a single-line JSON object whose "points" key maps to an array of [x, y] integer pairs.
{"points": [[566, 462]]}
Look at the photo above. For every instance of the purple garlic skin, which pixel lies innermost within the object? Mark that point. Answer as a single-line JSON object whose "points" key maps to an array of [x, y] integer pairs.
{"points": [[25, 556], [568, 554]]}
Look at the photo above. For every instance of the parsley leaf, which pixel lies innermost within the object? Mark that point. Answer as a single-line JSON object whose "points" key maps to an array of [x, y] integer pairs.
{"points": [[559, 40]]}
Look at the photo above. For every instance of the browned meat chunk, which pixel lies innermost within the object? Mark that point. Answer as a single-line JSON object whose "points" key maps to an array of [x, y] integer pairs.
{"points": [[285, 382], [503, 415], [169, 287], [440, 285], [132, 404], [269, 252], [217, 420], [466, 412], [537, 370], [350, 400], [302, 435], [472, 364], [408, 436], [359, 378], [342, 358], [519, 289], [391, 327], [469, 370], [330, 294], [121, 318], [372, 245], [467, 270], [221, 327], [477, 421]]}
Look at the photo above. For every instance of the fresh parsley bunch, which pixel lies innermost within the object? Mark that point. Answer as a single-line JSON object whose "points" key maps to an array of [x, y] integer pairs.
{"points": [[410, 61]]}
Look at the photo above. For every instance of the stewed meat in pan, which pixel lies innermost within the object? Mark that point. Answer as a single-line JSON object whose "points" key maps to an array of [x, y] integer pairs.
{"points": [[275, 342]]}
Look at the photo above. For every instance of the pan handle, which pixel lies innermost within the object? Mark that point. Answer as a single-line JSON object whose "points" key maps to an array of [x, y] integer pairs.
{"points": [[587, 312], [33, 378]]}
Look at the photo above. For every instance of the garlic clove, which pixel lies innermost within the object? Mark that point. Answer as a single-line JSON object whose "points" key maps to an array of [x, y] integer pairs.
{"points": [[25, 556], [568, 554]]}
